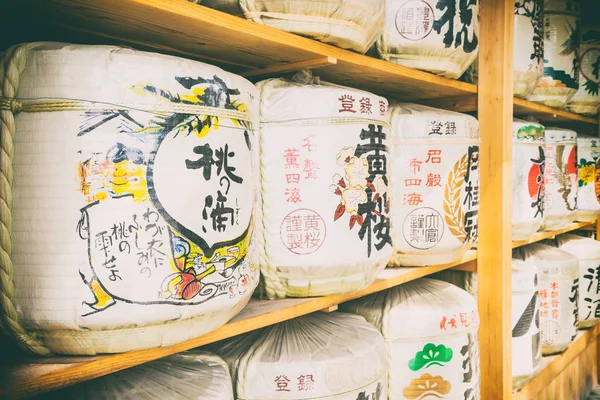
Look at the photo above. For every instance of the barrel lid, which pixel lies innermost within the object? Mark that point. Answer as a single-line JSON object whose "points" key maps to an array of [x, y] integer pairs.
{"points": [[588, 141], [550, 261], [418, 122], [308, 99], [524, 276], [526, 131], [419, 309], [554, 134], [579, 246]]}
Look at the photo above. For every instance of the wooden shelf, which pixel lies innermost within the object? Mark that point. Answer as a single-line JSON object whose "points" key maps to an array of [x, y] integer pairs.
{"points": [[554, 117], [189, 30], [193, 31], [31, 376], [551, 366], [552, 234]]}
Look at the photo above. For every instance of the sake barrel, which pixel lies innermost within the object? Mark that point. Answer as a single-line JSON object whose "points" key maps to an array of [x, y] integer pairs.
{"points": [[528, 161], [435, 184], [526, 345], [325, 195], [131, 214], [560, 178], [561, 48], [317, 356], [558, 288], [528, 61], [587, 250], [430, 328], [588, 172], [587, 98], [439, 36], [190, 375], [349, 24]]}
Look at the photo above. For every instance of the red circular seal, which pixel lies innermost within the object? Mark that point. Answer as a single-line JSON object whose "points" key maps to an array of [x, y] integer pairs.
{"points": [[302, 231]]}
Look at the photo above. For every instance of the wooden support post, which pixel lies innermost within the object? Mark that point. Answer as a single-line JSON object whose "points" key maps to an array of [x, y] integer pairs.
{"points": [[495, 105]]}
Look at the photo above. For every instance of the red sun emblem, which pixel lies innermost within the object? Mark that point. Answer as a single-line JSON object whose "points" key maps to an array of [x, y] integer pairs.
{"points": [[534, 181], [572, 162]]}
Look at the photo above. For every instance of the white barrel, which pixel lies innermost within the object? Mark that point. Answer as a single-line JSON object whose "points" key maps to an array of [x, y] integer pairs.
{"points": [[132, 214], [430, 328], [528, 160], [435, 184], [560, 178], [587, 250], [334, 356], [324, 188], [189, 375], [526, 345], [588, 172], [528, 61], [558, 289], [561, 48], [587, 99], [349, 24], [441, 37]]}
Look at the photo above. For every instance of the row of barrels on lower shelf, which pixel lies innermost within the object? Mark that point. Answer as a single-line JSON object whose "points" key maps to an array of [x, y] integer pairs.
{"points": [[555, 291], [555, 56], [415, 340], [142, 188], [411, 342]]}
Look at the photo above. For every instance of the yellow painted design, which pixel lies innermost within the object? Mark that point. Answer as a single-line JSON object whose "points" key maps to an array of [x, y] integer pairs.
{"points": [[587, 174], [103, 299]]}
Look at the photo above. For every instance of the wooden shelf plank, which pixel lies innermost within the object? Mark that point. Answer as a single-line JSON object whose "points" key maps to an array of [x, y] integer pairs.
{"points": [[182, 28], [551, 234], [554, 117], [31, 376], [551, 366]]}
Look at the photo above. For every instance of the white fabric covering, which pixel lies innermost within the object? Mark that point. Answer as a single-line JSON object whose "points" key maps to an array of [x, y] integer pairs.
{"points": [[430, 35], [561, 27], [349, 24], [587, 99], [588, 187], [321, 355], [435, 184], [430, 328], [527, 179], [587, 250], [323, 157], [111, 247], [560, 178], [558, 273], [526, 344], [188, 375], [528, 61]]}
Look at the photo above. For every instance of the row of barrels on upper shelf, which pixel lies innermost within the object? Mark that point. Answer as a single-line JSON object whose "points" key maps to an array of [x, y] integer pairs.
{"points": [[556, 62], [142, 188]]}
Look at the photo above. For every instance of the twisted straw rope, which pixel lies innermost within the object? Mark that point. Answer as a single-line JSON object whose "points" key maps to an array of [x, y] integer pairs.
{"points": [[275, 288], [11, 67], [12, 64]]}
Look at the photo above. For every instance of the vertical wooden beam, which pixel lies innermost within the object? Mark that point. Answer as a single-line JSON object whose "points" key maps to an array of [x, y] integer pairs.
{"points": [[494, 249]]}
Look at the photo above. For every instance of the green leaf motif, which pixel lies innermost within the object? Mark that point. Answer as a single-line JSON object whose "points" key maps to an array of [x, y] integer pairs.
{"points": [[431, 355]]}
